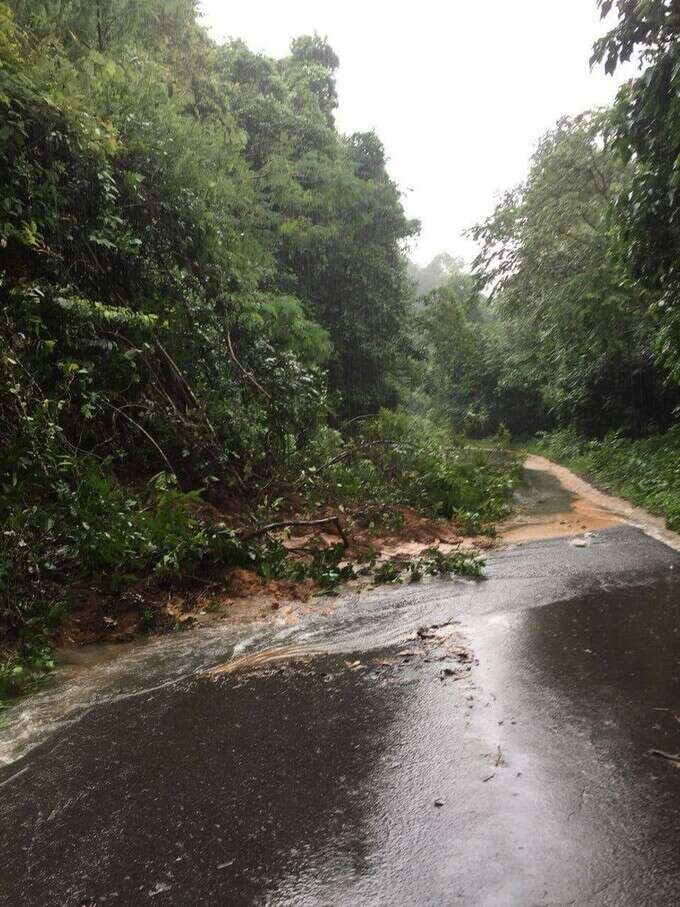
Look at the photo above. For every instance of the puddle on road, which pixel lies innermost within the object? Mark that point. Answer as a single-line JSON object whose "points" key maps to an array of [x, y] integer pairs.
{"points": [[528, 783]]}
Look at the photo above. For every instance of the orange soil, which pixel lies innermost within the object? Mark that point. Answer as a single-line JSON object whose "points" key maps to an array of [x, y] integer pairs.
{"points": [[590, 511], [240, 595]]}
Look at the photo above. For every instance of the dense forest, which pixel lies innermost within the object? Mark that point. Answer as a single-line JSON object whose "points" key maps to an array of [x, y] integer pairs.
{"points": [[206, 317], [209, 323]]}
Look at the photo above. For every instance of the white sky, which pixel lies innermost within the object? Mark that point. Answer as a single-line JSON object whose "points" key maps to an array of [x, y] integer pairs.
{"points": [[458, 91]]}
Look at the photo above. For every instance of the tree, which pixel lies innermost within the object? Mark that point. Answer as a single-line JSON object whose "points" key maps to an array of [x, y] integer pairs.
{"points": [[190, 209], [334, 220], [473, 372], [434, 275], [646, 132], [549, 256], [342, 244], [103, 25]]}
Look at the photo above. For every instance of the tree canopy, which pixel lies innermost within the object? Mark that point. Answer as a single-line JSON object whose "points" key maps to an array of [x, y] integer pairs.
{"points": [[189, 210], [646, 133]]}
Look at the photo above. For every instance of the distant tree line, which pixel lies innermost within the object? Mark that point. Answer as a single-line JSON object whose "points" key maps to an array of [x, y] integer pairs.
{"points": [[574, 314]]}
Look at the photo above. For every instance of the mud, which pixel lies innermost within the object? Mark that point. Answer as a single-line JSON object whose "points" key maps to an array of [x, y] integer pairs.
{"points": [[556, 503], [548, 507], [258, 661], [236, 595]]}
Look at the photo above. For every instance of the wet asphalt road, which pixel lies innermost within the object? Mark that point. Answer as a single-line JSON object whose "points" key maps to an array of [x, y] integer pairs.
{"points": [[315, 783]]}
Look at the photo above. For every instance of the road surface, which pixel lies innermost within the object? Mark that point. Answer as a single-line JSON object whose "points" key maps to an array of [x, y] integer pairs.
{"points": [[474, 742]]}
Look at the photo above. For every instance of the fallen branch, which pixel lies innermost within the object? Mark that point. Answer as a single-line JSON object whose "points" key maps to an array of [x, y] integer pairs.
{"points": [[359, 448], [146, 435], [194, 400], [287, 524], [363, 418]]}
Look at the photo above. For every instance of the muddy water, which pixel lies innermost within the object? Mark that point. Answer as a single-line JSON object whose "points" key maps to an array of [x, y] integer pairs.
{"points": [[554, 502], [362, 771], [548, 507]]}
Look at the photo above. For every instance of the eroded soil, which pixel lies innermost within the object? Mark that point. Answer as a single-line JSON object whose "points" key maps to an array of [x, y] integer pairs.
{"points": [[241, 596]]}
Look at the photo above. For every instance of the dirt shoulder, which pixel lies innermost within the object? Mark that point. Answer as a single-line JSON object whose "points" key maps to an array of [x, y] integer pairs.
{"points": [[587, 510]]}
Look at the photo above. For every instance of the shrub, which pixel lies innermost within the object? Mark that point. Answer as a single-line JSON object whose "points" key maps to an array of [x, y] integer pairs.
{"points": [[403, 459]]}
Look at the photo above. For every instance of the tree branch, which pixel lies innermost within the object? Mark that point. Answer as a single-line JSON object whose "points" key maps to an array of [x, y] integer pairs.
{"points": [[285, 524], [147, 435], [249, 375]]}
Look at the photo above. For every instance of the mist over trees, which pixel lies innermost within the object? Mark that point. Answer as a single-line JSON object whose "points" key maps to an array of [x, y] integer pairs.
{"points": [[434, 275]]}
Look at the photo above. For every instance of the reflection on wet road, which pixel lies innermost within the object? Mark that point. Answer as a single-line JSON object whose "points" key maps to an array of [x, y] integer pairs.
{"points": [[380, 771]]}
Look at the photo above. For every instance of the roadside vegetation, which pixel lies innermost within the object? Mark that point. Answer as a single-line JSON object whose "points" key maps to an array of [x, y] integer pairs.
{"points": [[206, 332]]}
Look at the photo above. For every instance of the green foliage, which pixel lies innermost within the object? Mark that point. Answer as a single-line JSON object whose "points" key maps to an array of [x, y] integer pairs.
{"points": [[341, 236], [328, 568], [24, 671], [28, 664], [402, 459], [103, 25], [432, 562], [646, 134], [435, 562], [387, 572], [86, 524], [470, 370], [334, 219], [428, 470], [217, 293], [582, 326], [583, 339], [645, 472], [13, 681]]}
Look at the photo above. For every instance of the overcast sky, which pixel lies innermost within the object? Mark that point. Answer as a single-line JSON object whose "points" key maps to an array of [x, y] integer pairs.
{"points": [[458, 90]]}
